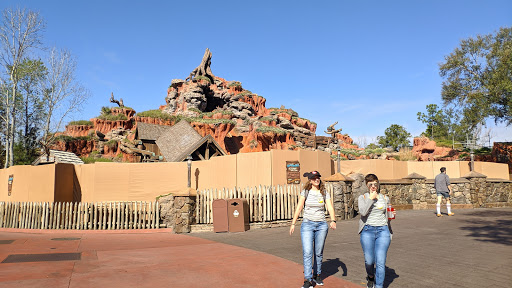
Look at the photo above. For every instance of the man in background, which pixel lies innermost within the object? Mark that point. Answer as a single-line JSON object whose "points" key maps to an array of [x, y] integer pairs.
{"points": [[443, 189]]}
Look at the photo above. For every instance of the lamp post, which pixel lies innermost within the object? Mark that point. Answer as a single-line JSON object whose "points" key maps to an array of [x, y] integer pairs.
{"points": [[189, 164], [339, 159]]}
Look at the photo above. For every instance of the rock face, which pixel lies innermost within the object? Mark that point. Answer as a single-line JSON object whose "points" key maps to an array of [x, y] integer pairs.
{"points": [[236, 118], [427, 150]]}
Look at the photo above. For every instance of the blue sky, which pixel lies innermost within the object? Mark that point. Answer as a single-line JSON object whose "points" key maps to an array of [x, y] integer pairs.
{"points": [[365, 64]]}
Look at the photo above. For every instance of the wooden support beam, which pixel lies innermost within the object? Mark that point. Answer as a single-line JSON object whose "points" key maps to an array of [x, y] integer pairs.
{"points": [[199, 155], [207, 152]]}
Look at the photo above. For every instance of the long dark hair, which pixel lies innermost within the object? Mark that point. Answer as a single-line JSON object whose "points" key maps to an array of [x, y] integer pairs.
{"points": [[309, 185]]}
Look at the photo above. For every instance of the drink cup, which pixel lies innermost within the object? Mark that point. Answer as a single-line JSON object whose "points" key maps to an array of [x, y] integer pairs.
{"points": [[390, 212]]}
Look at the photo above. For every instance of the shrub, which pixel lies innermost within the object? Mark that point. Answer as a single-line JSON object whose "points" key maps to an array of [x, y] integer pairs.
{"points": [[235, 84], [111, 144], [269, 119], [193, 109], [80, 122], [200, 77], [155, 114], [210, 121], [89, 160], [405, 154], [105, 110], [112, 117], [222, 111], [275, 130], [66, 138]]}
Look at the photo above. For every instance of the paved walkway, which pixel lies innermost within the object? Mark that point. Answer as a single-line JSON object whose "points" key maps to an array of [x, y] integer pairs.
{"points": [[155, 259], [471, 249]]}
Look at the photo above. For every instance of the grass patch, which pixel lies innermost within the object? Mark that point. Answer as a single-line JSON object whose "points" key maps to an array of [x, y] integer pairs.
{"points": [[210, 121], [275, 130], [80, 122], [157, 113], [405, 154], [89, 160], [112, 117], [274, 111], [235, 84], [223, 112], [269, 119], [111, 144], [66, 138], [200, 77]]}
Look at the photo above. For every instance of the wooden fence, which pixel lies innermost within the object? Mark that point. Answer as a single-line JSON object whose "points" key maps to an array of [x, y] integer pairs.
{"points": [[266, 203], [80, 216]]}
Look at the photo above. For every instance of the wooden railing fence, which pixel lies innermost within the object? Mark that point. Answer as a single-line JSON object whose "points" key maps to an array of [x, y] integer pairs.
{"points": [[80, 216], [266, 203]]}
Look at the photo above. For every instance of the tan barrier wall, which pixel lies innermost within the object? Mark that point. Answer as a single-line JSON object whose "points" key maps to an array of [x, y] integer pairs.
{"points": [[145, 181], [386, 169], [30, 183], [279, 158], [254, 169], [217, 172]]}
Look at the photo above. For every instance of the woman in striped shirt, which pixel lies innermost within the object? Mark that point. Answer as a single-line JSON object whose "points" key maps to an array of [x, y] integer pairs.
{"points": [[375, 231]]}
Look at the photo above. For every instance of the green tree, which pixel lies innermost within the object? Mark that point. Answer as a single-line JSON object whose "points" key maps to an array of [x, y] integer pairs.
{"points": [[20, 33], [478, 78], [31, 112], [395, 136], [436, 120]]}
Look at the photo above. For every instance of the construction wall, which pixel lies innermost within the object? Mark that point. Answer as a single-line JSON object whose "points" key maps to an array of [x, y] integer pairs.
{"points": [[30, 183], [386, 169], [146, 181]]}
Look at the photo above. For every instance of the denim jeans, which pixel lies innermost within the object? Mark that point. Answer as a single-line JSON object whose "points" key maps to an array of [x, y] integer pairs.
{"points": [[375, 241], [313, 234]]}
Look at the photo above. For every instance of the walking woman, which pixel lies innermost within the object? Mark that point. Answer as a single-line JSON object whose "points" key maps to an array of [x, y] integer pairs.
{"points": [[375, 231], [313, 230]]}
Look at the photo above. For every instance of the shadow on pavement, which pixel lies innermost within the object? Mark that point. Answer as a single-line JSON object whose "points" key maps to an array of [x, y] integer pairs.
{"points": [[489, 213], [331, 267], [390, 276], [499, 231]]}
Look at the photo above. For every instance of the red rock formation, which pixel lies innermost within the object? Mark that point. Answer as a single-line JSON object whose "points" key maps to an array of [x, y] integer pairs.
{"points": [[105, 126], [79, 130]]}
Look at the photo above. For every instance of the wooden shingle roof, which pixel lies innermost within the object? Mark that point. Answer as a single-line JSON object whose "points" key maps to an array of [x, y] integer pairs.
{"points": [[182, 140], [152, 132], [57, 156]]}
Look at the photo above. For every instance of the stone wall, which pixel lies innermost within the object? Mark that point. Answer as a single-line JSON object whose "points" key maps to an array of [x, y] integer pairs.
{"points": [[177, 212], [466, 192]]}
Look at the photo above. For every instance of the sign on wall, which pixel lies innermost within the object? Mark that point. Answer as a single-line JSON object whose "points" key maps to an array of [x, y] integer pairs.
{"points": [[292, 172], [9, 184]]}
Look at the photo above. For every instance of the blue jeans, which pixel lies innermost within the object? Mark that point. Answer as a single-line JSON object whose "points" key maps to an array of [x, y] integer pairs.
{"points": [[375, 241], [313, 234]]}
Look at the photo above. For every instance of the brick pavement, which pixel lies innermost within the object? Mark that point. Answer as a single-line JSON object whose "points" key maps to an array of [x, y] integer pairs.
{"points": [[471, 249]]}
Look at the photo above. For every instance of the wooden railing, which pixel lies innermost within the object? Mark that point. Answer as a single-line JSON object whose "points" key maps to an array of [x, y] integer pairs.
{"points": [[266, 203], [80, 216]]}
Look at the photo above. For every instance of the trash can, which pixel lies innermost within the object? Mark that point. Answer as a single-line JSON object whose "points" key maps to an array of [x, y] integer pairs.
{"points": [[220, 215], [238, 215]]}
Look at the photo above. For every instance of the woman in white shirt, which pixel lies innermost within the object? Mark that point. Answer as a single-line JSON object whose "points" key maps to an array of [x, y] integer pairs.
{"points": [[314, 227]]}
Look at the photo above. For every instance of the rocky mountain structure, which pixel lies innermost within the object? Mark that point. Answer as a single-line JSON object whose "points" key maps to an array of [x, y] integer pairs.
{"points": [[236, 118]]}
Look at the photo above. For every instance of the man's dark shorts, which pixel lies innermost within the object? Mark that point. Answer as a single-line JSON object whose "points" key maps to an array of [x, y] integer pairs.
{"points": [[444, 194]]}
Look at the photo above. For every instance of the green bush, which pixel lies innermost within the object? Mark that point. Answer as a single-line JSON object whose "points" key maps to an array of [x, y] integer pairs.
{"points": [[89, 160], [235, 84], [66, 138], [222, 111], [157, 113], [105, 110], [112, 117], [200, 77], [275, 130], [193, 109], [81, 122], [210, 121], [269, 119], [111, 144]]}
